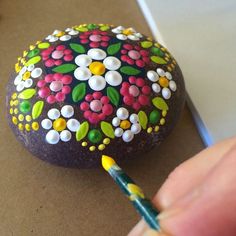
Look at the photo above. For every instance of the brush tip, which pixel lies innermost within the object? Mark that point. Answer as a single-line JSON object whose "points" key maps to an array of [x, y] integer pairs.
{"points": [[107, 162]]}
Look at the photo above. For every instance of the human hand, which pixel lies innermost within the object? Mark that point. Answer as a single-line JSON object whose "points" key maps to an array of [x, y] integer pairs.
{"points": [[199, 196]]}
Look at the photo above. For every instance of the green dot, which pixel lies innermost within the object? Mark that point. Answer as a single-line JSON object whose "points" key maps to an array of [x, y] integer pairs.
{"points": [[92, 26], [33, 53], [154, 117], [157, 51], [94, 136], [25, 106]]}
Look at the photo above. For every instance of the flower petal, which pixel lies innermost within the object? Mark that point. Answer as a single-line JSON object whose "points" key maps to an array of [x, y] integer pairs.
{"points": [[82, 73], [97, 83]]}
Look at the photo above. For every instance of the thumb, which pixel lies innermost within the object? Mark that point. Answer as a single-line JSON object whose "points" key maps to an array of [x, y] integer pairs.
{"points": [[208, 210]]}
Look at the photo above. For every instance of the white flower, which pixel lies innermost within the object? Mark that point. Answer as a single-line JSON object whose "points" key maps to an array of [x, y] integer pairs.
{"points": [[129, 33], [24, 78], [98, 69], [126, 126], [165, 82], [62, 36], [59, 121]]}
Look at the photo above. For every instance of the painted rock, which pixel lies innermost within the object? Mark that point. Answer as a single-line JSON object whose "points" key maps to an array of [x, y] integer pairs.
{"points": [[93, 90]]}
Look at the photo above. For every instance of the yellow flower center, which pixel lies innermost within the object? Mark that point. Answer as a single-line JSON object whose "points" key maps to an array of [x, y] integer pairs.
{"points": [[125, 124], [97, 68], [26, 75], [163, 82], [61, 33], [127, 31], [59, 124]]}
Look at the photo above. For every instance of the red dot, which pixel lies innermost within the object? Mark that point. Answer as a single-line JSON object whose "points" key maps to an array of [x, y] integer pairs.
{"points": [[136, 106], [66, 89], [137, 47], [146, 59], [140, 63], [60, 47], [49, 63], [128, 100], [89, 97], [104, 44], [105, 100], [146, 90], [44, 92], [144, 53], [66, 79], [51, 99], [124, 91], [84, 106], [105, 38], [140, 82], [67, 52], [83, 36], [41, 83], [124, 57], [130, 61], [87, 114], [60, 97], [94, 44], [107, 109], [58, 62], [102, 116], [68, 57], [125, 85], [128, 46], [132, 79], [97, 95], [123, 51], [143, 100], [94, 118], [57, 76], [83, 41]]}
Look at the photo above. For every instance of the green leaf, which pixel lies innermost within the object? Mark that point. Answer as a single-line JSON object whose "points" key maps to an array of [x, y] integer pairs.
{"points": [[27, 94], [37, 109], [33, 60], [129, 70], [113, 95], [146, 44], [158, 60], [157, 51], [82, 131], [79, 92], [113, 48], [77, 47], [143, 120], [107, 129], [104, 28], [160, 103], [65, 68]]}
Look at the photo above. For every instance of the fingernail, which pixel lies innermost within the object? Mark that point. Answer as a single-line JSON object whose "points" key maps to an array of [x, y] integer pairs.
{"points": [[151, 232], [179, 206]]}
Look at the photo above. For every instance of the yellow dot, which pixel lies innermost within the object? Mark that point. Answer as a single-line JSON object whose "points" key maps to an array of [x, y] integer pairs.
{"points": [[164, 113], [127, 31], [157, 45], [101, 147], [106, 141], [14, 120], [166, 58], [23, 61], [28, 118], [11, 111], [17, 67], [84, 144], [61, 33], [25, 53], [16, 102], [59, 124], [16, 111], [169, 68], [21, 117], [27, 127], [163, 82], [11, 103], [162, 121], [31, 47], [35, 126], [156, 128], [97, 68], [149, 130], [26, 75], [20, 126], [38, 42], [92, 148], [125, 124], [14, 95]]}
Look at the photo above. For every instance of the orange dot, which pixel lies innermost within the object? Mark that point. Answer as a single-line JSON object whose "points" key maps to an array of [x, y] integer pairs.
{"points": [[125, 124], [97, 68], [127, 31], [163, 82], [59, 124]]}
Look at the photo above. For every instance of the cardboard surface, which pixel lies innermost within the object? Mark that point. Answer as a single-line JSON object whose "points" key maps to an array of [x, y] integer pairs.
{"points": [[37, 198]]}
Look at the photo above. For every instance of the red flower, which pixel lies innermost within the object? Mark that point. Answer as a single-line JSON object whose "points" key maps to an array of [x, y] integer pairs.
{"points": [[95, 38], [135, 92], [135, 55], [54, 87], [96, 107], [53, 55]]}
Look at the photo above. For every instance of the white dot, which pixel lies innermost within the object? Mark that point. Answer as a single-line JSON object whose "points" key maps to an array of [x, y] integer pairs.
{"points": [[18, 79], [113, 78], [36, 72], [168, 75], [30, 67], [23, 70], [56, 86], [138, 35], [67, 111], [97, 54], [52, 39], [152, 75], [112, 63], [133, 118], [65, 136], [53, 114], [121, 36], [133, 37], [118, 29], [46, 124], [20, 86], [127, 136], [73, 32], [68, 29], [28, 83], [73, 125], [97, 83], [83, 60], [118, 132], [160, 72], [82, 73], [122, 113], [52, 137], [115, 121], [56, 31], [166, 93], [156, 87], [135, 128], [65, 37], [172, 85]]}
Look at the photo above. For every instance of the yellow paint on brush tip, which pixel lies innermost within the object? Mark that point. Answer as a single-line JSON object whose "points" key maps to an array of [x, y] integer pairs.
{"points": [[107, 162]]}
